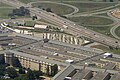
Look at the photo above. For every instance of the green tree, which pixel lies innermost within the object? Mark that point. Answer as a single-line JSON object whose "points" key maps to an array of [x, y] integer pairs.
{"points": [[34, 17], [16, 62], [30, 75], [2, 70], [12, 72], [21, 77], [5, 79], [22, 8], [21, 71], [111, 47], [37, 74], [21, 11], [48, 10], [111, 0], [2, 59], [54, 70]]}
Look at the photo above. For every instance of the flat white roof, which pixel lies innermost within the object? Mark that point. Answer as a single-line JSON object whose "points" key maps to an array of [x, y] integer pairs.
{"points": [[40, 26]]}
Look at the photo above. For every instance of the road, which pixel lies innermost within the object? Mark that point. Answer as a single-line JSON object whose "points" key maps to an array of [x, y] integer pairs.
{"points": [[71, 6], [91, 13], [76, 29], [95, 12], [112, 30], [72, 28], [49, 61]]}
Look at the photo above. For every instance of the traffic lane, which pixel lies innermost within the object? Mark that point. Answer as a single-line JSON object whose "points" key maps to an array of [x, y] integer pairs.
{"points": [[104, 39], [94, 33], [52, 18]]}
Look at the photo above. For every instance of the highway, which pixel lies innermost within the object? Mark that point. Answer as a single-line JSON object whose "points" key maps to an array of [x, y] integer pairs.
{"points": [[72, 28]]}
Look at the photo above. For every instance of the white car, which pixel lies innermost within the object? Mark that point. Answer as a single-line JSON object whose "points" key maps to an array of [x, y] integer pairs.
{"points": [[65, 26]]}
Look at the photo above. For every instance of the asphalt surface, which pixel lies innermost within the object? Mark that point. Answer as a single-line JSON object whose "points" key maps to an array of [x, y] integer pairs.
{"points": [[72, 28], [52, 61], [95, 12], [112, 30]]}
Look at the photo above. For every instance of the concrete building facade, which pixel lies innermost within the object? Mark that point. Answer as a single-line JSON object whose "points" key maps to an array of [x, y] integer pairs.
{"points": [[30, 63], [112, 60], [64, 38]]}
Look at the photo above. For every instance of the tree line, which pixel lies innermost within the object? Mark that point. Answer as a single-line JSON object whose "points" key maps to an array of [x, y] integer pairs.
{"points": [[17, 72], [22, 11]]}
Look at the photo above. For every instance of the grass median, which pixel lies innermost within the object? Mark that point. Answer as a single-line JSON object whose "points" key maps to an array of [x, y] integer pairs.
{"points": [[88, 7], [118, 31], [4, 12], [91, 20], [56, 8]]}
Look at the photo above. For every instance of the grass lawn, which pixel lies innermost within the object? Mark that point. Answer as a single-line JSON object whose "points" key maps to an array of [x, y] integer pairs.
{"points": [[4, 5], [104, 30], [56, 8], [104, 48], [87, 7], [87, 21], [30, 23], [27, 16], [116, 51], [4, 12], [107, 49], [27, 1], [118, 31], [6, 9], [91, 20]]}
